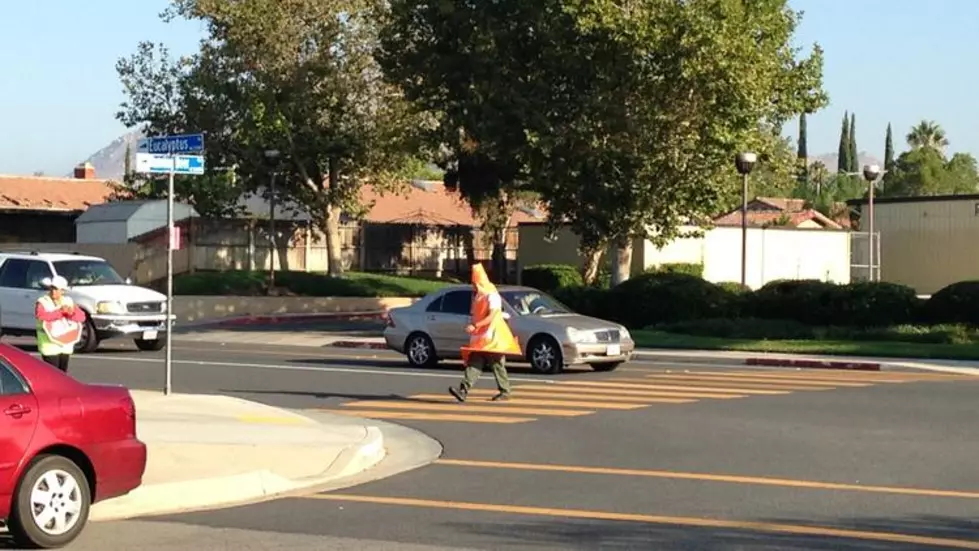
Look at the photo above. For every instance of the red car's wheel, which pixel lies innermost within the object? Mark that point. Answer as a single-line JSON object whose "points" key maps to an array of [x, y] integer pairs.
{"points": [[51, 505]]}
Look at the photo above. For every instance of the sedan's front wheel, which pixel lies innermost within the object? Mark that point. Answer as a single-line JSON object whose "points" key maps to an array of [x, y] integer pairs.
{"points": [[420, 351], [545, 356], [51, 505]]}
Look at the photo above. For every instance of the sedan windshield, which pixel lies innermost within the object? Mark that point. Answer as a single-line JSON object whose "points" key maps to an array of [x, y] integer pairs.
{"points": [[533, 303], [80, 273]]}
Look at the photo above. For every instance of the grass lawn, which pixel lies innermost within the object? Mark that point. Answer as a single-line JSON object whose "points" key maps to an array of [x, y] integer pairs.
{"points": [[351, 284], [658, 339]]}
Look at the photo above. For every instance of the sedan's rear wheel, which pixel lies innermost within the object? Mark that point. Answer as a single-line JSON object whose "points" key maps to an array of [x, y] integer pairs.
{"points": [[545, 355], [51, 505], [420, 350]]}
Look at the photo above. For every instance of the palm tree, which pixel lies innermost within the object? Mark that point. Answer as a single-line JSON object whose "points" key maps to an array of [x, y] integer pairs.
{"points": [[928, 134]]}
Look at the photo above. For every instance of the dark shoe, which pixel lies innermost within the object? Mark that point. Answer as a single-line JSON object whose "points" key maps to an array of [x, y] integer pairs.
{"points": [[501, 397], [459, 393]]}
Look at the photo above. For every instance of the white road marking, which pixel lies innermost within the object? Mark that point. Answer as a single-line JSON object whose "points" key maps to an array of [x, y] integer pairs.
{"points": [[281, 367]]}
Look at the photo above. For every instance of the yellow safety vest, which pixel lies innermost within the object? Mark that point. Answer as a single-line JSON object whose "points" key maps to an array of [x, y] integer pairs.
{"points": [[46, 346]]}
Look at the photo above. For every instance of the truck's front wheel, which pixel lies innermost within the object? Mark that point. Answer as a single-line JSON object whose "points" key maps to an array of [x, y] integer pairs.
{"points": [[90, 338], [150, 345]]}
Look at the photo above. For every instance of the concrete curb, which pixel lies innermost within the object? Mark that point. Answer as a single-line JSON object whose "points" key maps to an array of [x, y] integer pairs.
{"points": [[274, 319], [812, 364], [371, 345], [228, 491]]}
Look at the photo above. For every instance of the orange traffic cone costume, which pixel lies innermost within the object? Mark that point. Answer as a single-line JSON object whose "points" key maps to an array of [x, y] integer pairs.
{"points": [[490, 338]]}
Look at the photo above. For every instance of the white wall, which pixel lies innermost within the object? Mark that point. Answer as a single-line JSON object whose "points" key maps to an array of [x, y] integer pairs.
{"points": [[772, 253], [102, 232]]}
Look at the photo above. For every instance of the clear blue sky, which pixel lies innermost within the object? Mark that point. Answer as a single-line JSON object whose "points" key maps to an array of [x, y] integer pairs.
{"points": [[897, 61]]}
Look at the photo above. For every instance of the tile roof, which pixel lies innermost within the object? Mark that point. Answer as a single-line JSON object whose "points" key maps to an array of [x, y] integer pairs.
{"points": [[426, 203], [766, 211], [763, 218], [54, 194]]}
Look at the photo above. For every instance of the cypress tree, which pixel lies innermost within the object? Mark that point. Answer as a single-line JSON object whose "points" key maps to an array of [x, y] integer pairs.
{"points": [[888, 149], [843, 154], [128, 161], [802, 154], [854, 155]]}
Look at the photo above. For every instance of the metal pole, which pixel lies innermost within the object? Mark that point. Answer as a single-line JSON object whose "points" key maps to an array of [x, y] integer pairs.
{"points": [[744, 229], [168, 361], [272, 234], [870, 242]]}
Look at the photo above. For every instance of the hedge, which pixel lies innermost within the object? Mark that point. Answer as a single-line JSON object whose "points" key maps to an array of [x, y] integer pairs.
{"points": [[672, 293], [551, 277], [351, 284]]}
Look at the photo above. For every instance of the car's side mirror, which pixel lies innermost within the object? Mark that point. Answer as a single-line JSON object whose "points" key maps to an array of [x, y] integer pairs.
{"points": [[129, 281], [506, 315]]}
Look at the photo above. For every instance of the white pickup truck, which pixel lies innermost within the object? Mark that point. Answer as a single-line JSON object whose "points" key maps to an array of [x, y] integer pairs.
{"points": [[113, 307]]}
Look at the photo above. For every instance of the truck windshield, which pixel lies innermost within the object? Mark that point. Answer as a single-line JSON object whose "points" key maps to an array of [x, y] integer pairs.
{"points": [[80, 273]]}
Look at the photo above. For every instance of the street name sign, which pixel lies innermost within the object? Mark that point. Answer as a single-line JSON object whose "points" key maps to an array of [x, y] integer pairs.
{"points": [[176, 145], [164, 164]]}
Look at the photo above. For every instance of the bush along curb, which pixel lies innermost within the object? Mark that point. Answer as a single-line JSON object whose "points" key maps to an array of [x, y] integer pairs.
{"points": [[272, 319], [812, 364]]}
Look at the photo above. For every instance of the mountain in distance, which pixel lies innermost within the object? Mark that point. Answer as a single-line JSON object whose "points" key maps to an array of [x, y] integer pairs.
{"points": [[110, 161], [830, 160]]}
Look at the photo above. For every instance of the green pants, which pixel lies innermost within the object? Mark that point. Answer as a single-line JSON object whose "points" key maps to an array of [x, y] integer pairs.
{"points": [[478, 362]]}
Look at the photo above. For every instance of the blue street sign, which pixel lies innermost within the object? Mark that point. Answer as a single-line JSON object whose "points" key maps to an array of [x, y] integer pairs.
{"points": [[163, 164], [185, 143]]}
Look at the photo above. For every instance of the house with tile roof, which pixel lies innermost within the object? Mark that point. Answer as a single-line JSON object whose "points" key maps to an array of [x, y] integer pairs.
{"points": [[43, 209], [785, 212]]}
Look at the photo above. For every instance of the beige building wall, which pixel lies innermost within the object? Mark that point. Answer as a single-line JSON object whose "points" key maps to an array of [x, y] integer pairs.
{"points": [[926, 244], [772, 253]]}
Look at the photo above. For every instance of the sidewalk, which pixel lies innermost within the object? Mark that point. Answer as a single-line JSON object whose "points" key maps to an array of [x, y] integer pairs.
{"points": [[212, 451]]}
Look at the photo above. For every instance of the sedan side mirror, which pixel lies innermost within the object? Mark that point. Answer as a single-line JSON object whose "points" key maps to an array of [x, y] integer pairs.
{"points": [[506, 315], [129, 281]]}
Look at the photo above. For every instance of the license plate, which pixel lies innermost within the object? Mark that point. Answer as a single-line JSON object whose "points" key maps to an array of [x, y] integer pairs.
{"points": [[149, 335], [613, 350]]}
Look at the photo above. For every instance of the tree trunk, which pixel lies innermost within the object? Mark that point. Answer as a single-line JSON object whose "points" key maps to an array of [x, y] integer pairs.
{"points": [[593, 263], [623, 261], [332, 229], [499, 256]]}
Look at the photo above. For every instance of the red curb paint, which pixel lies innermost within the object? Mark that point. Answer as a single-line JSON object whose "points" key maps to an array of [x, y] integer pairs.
{"points": [[359, 344], [813, 364]]}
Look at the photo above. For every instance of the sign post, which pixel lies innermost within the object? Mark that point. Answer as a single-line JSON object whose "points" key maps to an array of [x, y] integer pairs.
{"points": [[168, 155]]}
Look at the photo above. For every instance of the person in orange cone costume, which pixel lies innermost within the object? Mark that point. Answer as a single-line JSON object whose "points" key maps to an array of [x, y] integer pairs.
{"points": [[490, 339]]}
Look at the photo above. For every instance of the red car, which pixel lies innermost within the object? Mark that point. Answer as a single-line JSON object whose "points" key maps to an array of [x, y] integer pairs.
{"points": [[64, 445]]}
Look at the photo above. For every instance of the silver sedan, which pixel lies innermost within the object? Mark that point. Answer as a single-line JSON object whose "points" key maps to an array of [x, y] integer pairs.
{"points": [[550, 334]]}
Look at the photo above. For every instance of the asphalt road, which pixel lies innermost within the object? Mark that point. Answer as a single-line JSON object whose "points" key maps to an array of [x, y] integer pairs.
{"points": [[649, 457]]}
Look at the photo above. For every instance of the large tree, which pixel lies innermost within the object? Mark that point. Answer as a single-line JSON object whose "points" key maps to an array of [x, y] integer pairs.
{"points": [[928, 134], [298, 77], [626, 121]]}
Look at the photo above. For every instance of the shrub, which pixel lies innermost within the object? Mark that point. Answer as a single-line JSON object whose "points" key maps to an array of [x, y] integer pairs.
{"points": [[956, 303], [587, 300], [874, 304], [654, 298], [351, 284], [550, 277], [689, 268], [806, 300]]}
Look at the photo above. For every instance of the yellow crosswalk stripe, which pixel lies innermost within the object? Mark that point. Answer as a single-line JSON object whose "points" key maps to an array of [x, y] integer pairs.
{"points": [[494, 408], [823, 374], [650, 386], [639, 394], [599, 396], [761, 380], [759, 385], [415, 416], [520, 400]]}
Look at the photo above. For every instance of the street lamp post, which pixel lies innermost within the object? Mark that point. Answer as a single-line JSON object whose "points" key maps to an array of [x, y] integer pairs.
{"points": [[271, 155], [744, 162], [871, 173]]}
